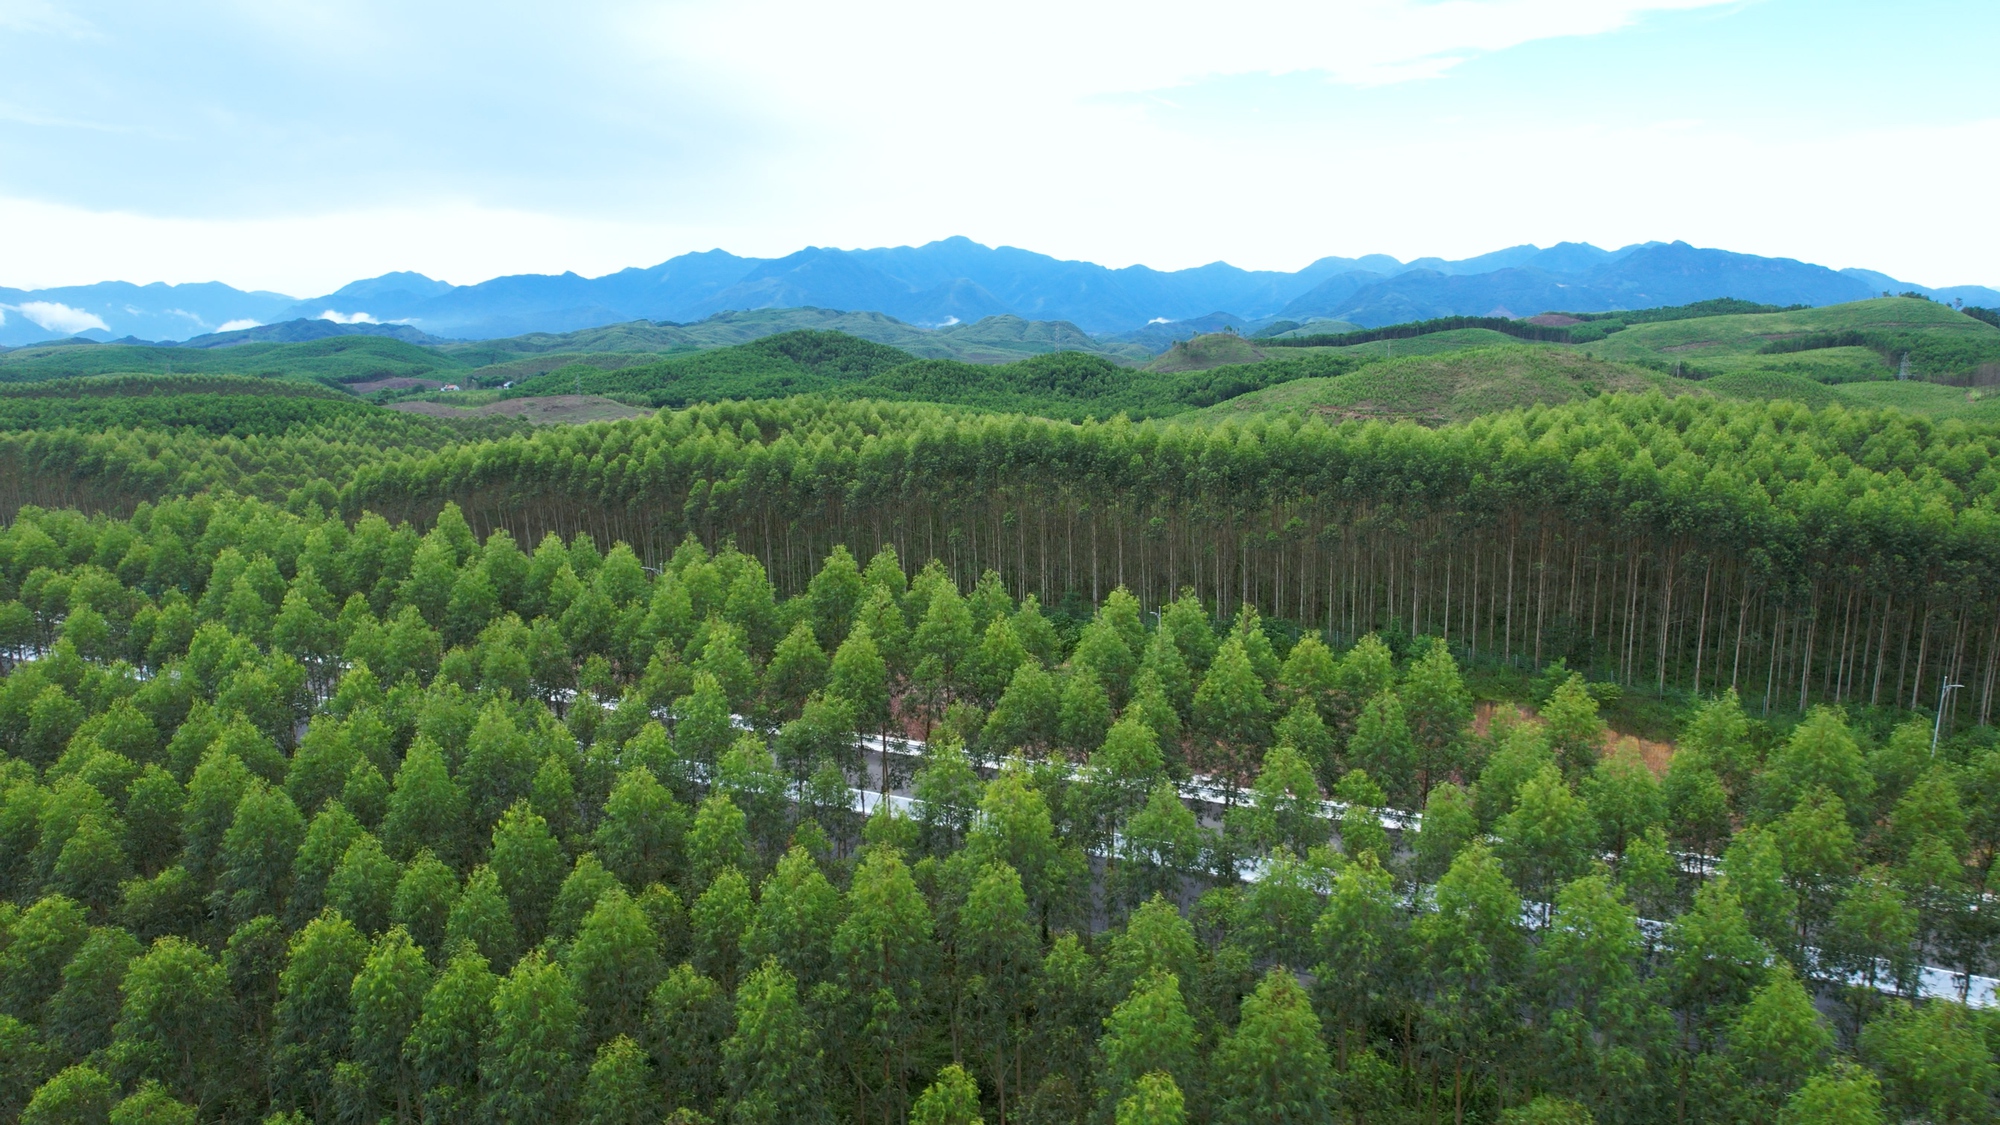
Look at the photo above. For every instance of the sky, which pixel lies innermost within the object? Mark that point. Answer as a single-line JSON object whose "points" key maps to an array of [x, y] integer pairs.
{"points": [[295, 145]]}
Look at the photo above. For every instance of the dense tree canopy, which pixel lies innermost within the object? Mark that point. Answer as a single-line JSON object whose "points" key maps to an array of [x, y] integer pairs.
{"points": [[1792, 554], [1205, 815]]}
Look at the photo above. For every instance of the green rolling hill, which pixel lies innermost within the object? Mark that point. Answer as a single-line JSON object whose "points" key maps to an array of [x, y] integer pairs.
{"points": [[1436, 343], [1452, 387], [803, 361], [336, 359], [1928, 400], [1432, 372], [995, 339], [1216, 349], [1831, 344], [1770, 385], [219, 405], [1972, 404], [1286, 329], [368, 361], [1842, 354], [1065, 384], [1220, 349]]}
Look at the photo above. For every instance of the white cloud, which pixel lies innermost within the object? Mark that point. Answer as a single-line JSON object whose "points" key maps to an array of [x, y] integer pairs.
{"points": [[239, 325], [40, 16], [1171, 133], [821, 58], [1297, 206], [57, 317], [49, 244], [17, 115], [348, 318]]}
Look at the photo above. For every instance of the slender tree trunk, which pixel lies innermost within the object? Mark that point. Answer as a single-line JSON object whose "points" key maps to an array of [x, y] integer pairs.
{"points": [[1923, 650], [1701, 631], [1458, 1090], [1805, 666], [1881, 651]]}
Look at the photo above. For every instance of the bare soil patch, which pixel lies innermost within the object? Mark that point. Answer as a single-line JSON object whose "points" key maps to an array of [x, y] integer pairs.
{"points": [[1656, 755]]}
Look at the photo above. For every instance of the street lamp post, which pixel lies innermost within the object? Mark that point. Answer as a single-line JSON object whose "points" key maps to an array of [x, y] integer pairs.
{"points": [[1938, 726]]}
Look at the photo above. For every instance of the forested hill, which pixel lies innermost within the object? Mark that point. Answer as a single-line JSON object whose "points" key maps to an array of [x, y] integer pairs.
{"points": [[1747, 350], [1452, 386], [348, 356], [1852, 554], [992, 339], [1585, 719], [1062, 384], [370, 766], [305, 818], [334, 360], [788, 363], [213, 404], [1751, 350], [237, 406]]}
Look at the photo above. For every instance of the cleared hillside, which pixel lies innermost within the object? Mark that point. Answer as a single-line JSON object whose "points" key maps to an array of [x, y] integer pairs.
{"points": [[1453, 387], [1972, 404], [1436, 343], [1221, 349], [529, 366], [1928, 400], [1285, 329], [543, 411], [1831, 344]]}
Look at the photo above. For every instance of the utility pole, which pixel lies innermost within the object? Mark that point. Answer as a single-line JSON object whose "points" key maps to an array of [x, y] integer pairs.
{"points": [[1938, 726]]}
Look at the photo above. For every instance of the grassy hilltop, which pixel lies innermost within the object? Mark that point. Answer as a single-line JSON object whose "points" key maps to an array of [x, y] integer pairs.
{"points": [[1840, 343], [1452, 387], [1843, 354]]}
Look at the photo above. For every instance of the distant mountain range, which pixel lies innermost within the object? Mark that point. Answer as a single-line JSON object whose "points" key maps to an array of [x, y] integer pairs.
{"points": [[958, 281]]}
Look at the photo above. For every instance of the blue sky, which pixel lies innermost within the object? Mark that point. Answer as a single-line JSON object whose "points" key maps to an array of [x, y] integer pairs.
{"points": [[295, 145]]}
